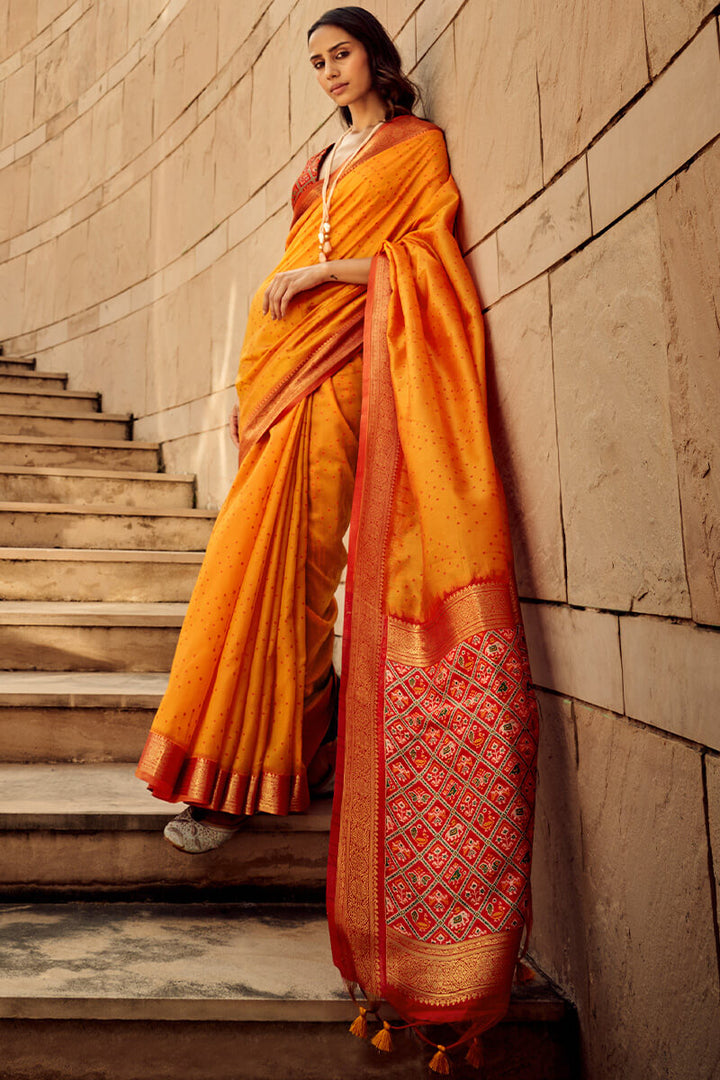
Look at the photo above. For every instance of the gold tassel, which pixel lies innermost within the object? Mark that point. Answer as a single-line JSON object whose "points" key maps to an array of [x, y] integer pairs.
{"points": [[523, 973], [441, 1063], [474, 1056], [359, 1024], [383, 1039]]}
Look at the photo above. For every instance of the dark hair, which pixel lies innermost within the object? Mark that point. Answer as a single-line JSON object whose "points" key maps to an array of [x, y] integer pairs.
{"points": [[396, 90]]}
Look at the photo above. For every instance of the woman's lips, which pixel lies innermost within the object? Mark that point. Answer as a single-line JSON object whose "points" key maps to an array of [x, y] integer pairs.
{"points": [[338, 88]]}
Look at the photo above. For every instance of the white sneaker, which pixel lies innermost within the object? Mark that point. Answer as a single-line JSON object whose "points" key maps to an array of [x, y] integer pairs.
{"points": [[195, 837]]}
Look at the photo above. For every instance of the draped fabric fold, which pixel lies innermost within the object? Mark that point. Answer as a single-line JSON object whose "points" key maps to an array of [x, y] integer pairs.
{"points": [[369, 408]]}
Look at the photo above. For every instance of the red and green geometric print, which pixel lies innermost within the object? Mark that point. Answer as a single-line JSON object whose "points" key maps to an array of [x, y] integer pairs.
{"points": [[460, 757]]}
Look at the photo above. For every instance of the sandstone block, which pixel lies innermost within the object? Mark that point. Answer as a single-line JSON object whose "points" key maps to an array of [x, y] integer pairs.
{"points": [[72, 286], [19, 100], [185, 61], [137, 113], [48, 10], [712, 782], [229, 291], [431, 21], [669, 24], [497, 118], [12, 284], [436, 74], [119, 242], [648, 919], [672, 677], [269, 116], [405, 42], [45, 191], [183, 195], [674, 119], [590, 63], [559, 891], [20, 27], [545, 230], [141, 15], [482, 262], [617, 462], [79, 153], [232, 134], [115, 358], [521, 407], [576, 653], [235, 23], [111, 32], [39, 292], [107, 135], [14, 198], [689, 217]]}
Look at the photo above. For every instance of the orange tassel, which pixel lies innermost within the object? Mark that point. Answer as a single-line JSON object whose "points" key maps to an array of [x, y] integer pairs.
{"points": [[383, 1039], [441, 1062], [523, 973], [474, 1056], [359, 1024]]}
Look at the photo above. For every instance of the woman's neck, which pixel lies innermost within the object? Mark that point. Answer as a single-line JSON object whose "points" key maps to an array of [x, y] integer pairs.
{"points": [[368, 111]]}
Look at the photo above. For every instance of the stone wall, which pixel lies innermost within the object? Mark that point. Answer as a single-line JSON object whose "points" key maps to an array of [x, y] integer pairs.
{"points": [[147, 150]]}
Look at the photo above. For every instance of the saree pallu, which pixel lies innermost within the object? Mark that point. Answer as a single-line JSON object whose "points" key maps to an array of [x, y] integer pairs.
{"points": [[428, 879]]}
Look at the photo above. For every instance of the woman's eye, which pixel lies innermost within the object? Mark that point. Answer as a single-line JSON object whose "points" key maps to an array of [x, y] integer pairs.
{"points": [[340, 55]]}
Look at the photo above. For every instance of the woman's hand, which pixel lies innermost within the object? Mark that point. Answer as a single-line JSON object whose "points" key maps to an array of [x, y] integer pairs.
{"points": [[234, 434], [289, 283]]}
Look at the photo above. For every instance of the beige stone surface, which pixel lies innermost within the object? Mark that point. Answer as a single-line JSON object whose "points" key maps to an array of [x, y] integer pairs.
{"points": [[545, 230], [48, 10], [575, 652], [269, 116], [39, 292], [20, 25], [235, 23], [111, 32], [712, 783], [71, 287], [182, 196], [82, 735], [45, 191], [19, 94], [669, 24], [436, 74], [672, 677], [677, 116], [107, 136], [559, 887], [12, 284], [114, 358], [590, 63], [141, 15], [494, 137], [648, 916], [83, 142], [185, 61], [137, 111], [689, 218], [521, 408], [617, 462], [482, 262], [67, 67], [118, 243], [232, 139], [14, 198], [431, 20]]}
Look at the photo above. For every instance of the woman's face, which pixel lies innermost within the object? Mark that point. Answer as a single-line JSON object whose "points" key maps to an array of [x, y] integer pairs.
{"points": [[341, 64]]}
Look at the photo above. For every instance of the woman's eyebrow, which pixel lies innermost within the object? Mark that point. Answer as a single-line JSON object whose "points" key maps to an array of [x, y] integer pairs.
{"points": [[318, 56]]}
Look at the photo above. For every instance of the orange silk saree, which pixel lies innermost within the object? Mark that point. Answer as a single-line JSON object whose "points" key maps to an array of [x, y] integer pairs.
{"points": [[428, 880]]}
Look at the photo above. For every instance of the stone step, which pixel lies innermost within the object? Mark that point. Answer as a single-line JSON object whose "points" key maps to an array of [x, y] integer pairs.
{"points": [[36, 452], [16, 363], [88, 487], [76, 716], [92, 830], [24, 379], [109, 527], [49, 401], [125, 991], [77, 425], [74, 636], [83, 574]]}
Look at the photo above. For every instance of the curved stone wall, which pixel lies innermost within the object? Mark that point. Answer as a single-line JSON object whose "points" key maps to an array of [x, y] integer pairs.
{"points": [[147, 151]]}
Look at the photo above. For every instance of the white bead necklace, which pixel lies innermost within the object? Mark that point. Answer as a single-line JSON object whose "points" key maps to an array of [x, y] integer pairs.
{"points": [[328, 189]]}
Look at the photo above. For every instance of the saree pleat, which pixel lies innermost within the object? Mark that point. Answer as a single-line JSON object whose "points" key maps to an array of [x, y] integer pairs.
{"points": [[369, 407]]}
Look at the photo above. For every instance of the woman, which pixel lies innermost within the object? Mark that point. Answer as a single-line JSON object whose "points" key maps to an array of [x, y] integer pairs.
{"points": [[362, 400]]}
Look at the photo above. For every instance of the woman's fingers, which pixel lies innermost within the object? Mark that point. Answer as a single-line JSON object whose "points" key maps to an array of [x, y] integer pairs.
{"points": [[284, 287]]}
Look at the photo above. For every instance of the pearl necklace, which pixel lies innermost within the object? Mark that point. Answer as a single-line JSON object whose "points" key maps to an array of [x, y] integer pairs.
{"points": [[328, 189]]}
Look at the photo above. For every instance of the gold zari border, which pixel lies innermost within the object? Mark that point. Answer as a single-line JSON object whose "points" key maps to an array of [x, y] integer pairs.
{"points": [[443, 975]]}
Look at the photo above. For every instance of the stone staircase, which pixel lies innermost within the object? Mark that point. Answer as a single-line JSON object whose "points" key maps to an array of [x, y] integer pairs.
{"points": [[121, 958]]}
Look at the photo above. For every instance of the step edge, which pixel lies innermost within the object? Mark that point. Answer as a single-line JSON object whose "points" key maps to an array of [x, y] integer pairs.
{"points": [[97, 474], [106, 510], [99, 555]]}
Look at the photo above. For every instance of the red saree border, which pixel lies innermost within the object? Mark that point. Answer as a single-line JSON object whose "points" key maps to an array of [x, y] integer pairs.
{"points": [[354, 886], [203, 782], [302, 380]]}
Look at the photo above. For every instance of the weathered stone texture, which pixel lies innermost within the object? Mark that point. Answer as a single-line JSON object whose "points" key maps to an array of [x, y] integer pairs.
{"points": [[12, 285], [19, 24], [111, 32], [432, 19], [545, 230], [712, 780], [119, 243], [522, 414], [689, 217], [575, 652], [49, 10], [617, 462], [482, 262], [182, 202], [235, 23], [107, 136], [677, 116], [269, 119], [45, 191], [590, 63], [669, 24], [14, 196], [18, 104], [66, 68], [185, 59], [651, 959], [672, 677], [494, 134]]}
